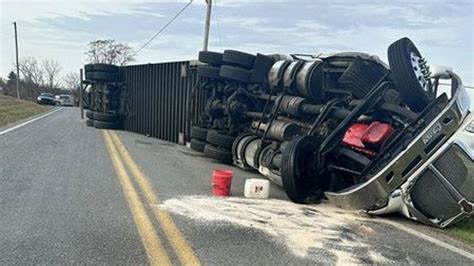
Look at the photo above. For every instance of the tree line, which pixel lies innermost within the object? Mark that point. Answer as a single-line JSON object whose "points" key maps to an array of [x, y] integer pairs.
{"points": [[46, 76], [37, 77]]}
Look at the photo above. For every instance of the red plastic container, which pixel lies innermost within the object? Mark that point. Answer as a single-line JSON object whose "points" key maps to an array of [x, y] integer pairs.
{"points": [[221, 182], [367, 138], [376, 134]]}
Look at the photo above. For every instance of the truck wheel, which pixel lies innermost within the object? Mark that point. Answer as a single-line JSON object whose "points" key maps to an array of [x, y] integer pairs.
{"points": [[208, 72], [235, 73], [101, 67], [217, 138], [212, 58], [104, 76], [218, 153], [107, 125], [105, 117], [296, 171], [237, 58], [198, 145], [89, 75], [90, 123], [199, 133], [411, 74], [90, 114]]}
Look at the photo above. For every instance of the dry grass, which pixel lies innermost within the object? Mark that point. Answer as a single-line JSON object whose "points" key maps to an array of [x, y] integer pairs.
{"points": [[12, 110]]}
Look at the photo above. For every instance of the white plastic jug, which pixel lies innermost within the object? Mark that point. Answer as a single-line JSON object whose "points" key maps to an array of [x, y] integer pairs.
{"points": [[257, 188]]}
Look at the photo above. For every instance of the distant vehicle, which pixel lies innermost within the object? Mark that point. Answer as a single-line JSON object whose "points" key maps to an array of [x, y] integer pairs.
{"points": [[46, 98], [65, 100]]}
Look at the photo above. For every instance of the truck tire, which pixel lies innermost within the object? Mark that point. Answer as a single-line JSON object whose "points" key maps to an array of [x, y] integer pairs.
{"points": [[237, 58], [104, 76], [90, 123], [218, 153], [235, 73], [107, 125], [101, 67], [90, 114], [400, 58], [213, 58], [217, 138], [208, 72], [298, 179], [106, 117], [89, 75], [198, 145], [199, 133]]}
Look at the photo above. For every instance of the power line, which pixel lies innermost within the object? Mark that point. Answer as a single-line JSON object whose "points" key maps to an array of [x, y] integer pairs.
{"points": [[164, 27]]}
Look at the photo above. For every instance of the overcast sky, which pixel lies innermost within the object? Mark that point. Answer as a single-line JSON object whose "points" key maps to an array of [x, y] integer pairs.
{"points": [[60, 30]]}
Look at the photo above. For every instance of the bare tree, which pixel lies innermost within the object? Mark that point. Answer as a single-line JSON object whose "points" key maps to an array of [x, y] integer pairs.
{"points": [[71, 81], [109, 52], [51, 69], [31, 71]]}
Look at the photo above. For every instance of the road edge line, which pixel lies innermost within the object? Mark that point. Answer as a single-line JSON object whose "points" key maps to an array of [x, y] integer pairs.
{"points": [[29, 121]]}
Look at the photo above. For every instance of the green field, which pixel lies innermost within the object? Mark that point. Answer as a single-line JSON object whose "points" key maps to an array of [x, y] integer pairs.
{"points": [[12, 110], [463, 230]]}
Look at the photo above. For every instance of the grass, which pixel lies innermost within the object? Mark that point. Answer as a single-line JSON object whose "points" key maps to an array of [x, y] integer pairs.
{"points": [[463, 230], [12, 110]]}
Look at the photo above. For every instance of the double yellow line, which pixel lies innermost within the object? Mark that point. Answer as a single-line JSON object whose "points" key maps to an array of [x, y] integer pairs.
{"points": [[157, 254]]}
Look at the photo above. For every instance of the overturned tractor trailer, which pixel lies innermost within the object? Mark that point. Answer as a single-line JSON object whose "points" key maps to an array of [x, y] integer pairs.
{"points": [[345, 127]]}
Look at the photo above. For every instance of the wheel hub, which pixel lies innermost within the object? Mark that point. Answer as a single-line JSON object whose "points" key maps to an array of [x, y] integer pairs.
{"points": [[422, 71]]}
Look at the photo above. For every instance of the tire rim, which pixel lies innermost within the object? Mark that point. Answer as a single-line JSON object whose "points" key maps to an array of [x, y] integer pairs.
{"points": [[422, 72]]}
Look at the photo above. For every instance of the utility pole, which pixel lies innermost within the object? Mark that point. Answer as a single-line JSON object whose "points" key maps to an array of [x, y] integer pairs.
{"points": [[81, 99], [17, 64], [207, 25]]}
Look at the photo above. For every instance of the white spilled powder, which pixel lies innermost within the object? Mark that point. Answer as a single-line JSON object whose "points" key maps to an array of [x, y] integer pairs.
{"points": [[300, 227]]}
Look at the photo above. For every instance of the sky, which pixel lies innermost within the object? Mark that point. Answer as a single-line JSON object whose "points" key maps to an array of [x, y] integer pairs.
{"points": [[60, 30]]}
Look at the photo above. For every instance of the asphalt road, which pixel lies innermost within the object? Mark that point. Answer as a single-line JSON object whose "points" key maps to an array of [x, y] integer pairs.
{"points": [[74, 194]]}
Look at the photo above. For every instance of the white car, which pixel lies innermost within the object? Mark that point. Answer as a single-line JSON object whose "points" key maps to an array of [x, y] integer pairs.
{"points": [[65, 100]]}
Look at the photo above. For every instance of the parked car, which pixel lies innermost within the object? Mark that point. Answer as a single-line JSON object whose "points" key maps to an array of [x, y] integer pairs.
{"points": [[46, 98], [65, 100]]}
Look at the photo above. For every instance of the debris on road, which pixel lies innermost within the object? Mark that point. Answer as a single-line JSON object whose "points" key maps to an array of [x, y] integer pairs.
{"points": [[257, 188], [221, 182], [301, 228]]}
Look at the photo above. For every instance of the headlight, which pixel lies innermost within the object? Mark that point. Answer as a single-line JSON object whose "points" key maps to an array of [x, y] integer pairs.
{"points": [[39, 99], [470, 127]]}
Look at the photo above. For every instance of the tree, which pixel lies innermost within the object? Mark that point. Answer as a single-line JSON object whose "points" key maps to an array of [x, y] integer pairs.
{"points": [[31, 71], [51, 69], [109, 52], [72, 81], [11, 78]]}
